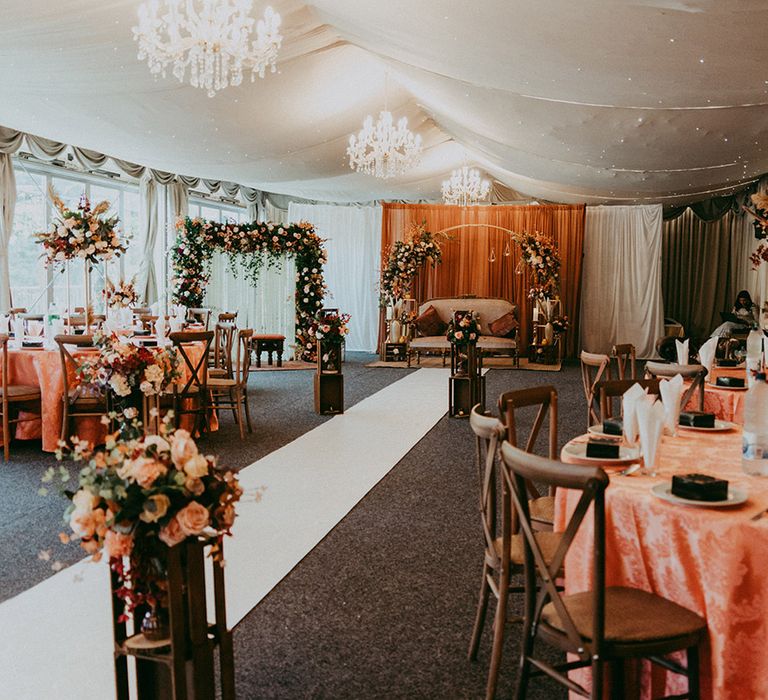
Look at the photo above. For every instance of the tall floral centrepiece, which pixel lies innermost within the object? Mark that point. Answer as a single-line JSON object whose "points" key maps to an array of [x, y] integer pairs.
{"points": [[247, 246], [404, 261], [121, 295], [463, 329], [760, 214], [83, 232], [330, 330], [136, 497], [542, 257]]}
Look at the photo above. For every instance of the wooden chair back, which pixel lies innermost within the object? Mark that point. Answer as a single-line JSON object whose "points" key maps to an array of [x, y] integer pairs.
{"points": [[625, 360], [611, 389], [71, 362], [243, 360], [4, 368], [17, 311], [518, 468], [695, 373], [223, 339], [201, 316], [595, 367], [227, 317], [29, 319], [197, 369], [141, 311]]}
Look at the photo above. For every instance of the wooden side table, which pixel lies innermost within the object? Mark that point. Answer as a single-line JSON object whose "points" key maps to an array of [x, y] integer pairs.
{"points": [[268, 343]]}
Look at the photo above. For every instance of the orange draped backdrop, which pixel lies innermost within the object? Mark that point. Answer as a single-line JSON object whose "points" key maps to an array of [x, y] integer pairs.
{"points": [[466, 266]]}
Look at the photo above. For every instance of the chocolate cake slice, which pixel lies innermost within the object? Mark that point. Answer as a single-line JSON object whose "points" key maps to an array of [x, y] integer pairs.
{"points": [[697, 419], [730, 381], [613, 426], [699, 487], [602, 449]]}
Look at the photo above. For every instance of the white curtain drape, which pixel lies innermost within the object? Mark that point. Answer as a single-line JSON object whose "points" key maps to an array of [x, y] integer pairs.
{"points": [[7, 207], [179, 194], [149, 226], [353, 242], [621, 300], [268, 307]]}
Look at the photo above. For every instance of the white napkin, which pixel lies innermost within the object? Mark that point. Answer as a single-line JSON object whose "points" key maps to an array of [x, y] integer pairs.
{"points": [[177, 323], [671, 391], [161, 329], [628, 402], [18, 331], [650, 419], [5, 324], [682, 352], [707, 354]]}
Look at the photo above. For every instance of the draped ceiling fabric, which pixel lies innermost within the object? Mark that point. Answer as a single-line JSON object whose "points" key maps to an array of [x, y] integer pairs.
{"points": [[466, 266], [621, 298], [608, 102]]}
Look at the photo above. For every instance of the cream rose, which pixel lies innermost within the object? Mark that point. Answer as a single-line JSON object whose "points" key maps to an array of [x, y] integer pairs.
{"points": [[172, 533], [155, 507], [196, 467], [85, 500], [146, 471], [159, 443], [193, 518], [183, 448]]}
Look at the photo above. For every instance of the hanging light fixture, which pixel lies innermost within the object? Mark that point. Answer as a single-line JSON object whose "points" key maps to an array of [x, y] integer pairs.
{"points": [[383, 149], [465, 187], [212, 38]]}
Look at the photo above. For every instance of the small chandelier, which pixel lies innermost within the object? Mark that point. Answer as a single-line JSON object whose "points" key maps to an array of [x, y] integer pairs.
{"points": [[465, 187], [384, 150], [210, 37]]}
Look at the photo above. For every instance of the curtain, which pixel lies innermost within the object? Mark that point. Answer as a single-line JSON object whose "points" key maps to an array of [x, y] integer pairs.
{"points": [[179, 194], [7, 206], [150, 224], [621, 297], [352, 240], [267, 307], [274, 214], [704, 266], [467, 266]]}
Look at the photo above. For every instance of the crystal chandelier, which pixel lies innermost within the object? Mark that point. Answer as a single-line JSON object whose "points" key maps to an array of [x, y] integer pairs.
{"points": [[210, 37], [384, 150], [465, 187]]}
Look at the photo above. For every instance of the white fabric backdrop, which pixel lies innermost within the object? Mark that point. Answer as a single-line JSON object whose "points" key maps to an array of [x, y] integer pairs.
{"points": [[352, 273], [7, 207], [621, 299], [269, 307]]}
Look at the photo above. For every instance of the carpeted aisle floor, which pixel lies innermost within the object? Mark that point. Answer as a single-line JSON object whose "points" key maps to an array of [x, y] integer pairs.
{"points": [[383, 606]]}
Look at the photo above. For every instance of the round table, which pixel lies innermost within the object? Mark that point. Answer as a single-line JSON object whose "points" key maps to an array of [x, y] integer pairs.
{"points": [[711, 560]]}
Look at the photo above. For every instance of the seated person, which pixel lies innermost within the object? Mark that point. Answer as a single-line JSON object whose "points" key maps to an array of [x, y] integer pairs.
{"points": [[745, 313]]}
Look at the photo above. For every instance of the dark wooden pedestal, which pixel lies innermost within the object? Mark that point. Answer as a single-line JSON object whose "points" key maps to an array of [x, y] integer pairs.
{"points": [[466, 385], [329, 381], [182, 669], [395, 352]]}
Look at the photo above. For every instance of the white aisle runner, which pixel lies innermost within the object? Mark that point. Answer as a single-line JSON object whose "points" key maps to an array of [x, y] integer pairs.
{"points": [[57, 636]]}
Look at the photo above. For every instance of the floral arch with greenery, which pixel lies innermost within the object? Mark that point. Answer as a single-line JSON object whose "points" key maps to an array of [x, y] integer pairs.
{"points": [[247, 245]]}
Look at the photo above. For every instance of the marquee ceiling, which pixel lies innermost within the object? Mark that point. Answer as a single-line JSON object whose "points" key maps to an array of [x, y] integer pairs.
{"points": [[596, 100]]}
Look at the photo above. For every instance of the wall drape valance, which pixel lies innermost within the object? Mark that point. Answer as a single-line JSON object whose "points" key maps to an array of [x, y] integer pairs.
{"points": [[466, 268]]}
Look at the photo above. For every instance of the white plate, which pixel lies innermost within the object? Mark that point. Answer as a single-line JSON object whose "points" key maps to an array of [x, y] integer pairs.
{"points": [[727, 388], [597, 431], [720, 426], [735, 497], [577, 454]]}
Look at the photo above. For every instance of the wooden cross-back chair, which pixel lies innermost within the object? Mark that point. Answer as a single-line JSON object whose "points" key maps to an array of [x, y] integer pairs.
{"points": [[625, 360], [30, 319], [601, 626], [79, 399], [17, 396], [201, 316], [502, 551], [595, 367], [141, 311], [695, 373], [193, 389], [611, 389], [232, 392], [228, 317], [220, 361], [510, 404]]}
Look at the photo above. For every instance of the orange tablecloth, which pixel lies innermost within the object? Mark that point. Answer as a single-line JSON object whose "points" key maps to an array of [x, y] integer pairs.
{"points": [[726, 404], [710, 560], [42, 368]]}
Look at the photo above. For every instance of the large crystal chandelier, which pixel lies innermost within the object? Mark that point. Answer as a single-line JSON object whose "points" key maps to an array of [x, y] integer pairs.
{"points": [[213, 38], [465, 187], [383, 149]]}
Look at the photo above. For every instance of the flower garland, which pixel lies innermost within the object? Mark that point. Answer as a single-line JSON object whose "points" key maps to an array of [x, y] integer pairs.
{"points": [[121, 295], [540, 254], [81, 233], [463, 329], [404, 261], [248, 245], [136, 497]]}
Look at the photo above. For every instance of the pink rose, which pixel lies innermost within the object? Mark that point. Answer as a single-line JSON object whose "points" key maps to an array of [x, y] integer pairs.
{"points": [[193, 518], [172, 533], [116, 544]]}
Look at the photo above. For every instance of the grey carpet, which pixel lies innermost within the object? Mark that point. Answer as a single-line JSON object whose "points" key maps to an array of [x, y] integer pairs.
{"points": [[383, 606]]}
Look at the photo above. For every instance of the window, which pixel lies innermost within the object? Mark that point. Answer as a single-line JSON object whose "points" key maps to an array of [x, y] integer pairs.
{"points": [[28, 276]]}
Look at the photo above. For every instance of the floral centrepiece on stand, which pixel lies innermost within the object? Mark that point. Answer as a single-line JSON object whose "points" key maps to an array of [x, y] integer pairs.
{"points": [[463, 329], [404, 261], [136, 497], [330, 330], [121, 295], [248, 247], [541, 256], [760, 214], [83, 232]]}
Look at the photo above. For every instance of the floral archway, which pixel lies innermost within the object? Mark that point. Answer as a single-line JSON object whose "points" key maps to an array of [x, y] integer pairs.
{"points": [[247, 245]]}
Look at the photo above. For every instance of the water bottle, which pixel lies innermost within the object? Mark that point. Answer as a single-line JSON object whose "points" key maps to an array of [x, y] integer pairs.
{"points": [[754, 353], [754, 457]]}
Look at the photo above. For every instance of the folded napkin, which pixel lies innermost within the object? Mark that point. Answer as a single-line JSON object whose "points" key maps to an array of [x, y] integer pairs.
{"points": [[161, 329], [177, 323], [628, 401], [5, 324], [707, 354], [650, 420], [671, 391], [18, 331], [682, 352]]}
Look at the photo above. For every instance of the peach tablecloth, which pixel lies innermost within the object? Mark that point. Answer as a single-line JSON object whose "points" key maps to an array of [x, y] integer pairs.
{"points": [[42, 368], [726, 404], [711, 560]]}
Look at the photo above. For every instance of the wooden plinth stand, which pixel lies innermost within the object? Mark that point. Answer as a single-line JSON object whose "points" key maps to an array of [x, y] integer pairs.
{"points": [[329, 381], [183, 668], [466, 385]]}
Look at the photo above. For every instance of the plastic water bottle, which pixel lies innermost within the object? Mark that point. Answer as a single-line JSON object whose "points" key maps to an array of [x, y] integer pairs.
{"points": [[754, 457], [754, 353]]}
